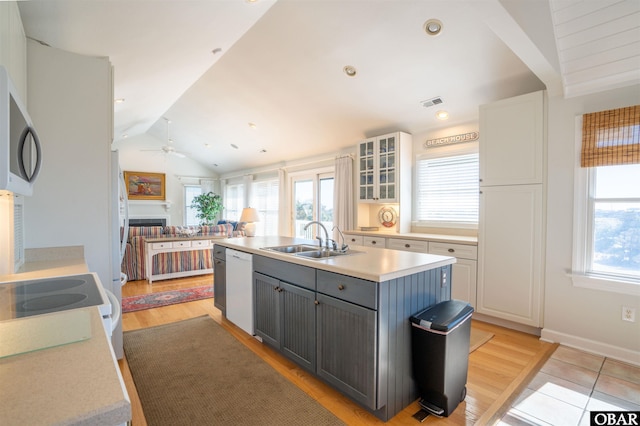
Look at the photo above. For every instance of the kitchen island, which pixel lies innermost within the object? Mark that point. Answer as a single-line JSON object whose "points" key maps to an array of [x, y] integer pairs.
{"points": [[344, 318]]}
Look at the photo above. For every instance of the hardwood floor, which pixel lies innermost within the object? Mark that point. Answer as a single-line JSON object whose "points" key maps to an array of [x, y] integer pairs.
{"points": [[497, 370]]}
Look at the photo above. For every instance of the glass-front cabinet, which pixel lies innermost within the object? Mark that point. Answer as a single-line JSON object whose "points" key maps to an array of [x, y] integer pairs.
{"points": [[378, 169]]}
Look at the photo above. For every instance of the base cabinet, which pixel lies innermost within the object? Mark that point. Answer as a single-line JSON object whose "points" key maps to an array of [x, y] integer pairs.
{"points": [[285, 318], [510, 253], [347, 348], [220, 278]]}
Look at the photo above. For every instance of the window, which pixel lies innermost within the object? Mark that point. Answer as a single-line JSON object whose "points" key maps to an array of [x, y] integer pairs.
{"points": [[233, 201], [312, 200], [606, 251], [265, 198], [614, 214], [447, 187], [191, 191]]}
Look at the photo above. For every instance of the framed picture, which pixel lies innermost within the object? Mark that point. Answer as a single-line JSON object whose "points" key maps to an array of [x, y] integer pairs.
{"points": [[145, 186]]}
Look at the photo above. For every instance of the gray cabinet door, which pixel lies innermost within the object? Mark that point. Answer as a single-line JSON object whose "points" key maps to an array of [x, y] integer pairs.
{"points": [[298, 327], [220, 285], [347, 348], [267, 316]]}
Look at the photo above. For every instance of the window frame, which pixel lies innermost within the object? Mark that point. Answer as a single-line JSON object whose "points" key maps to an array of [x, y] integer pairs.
{"points": [[584, 186], [440, 152], [187, 207], [264, 212], [314, 175]]}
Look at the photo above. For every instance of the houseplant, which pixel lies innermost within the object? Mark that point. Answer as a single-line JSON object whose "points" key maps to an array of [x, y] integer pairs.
{"points": [[208, 206]]}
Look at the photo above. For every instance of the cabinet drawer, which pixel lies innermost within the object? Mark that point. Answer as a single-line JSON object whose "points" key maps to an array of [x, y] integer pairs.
{"points": [[200, 243], [374, 242], [349, 289], [302, 276], [180, 244], [220, 252], [353, 240], [408, 245], [463, 251], [157, 246]]}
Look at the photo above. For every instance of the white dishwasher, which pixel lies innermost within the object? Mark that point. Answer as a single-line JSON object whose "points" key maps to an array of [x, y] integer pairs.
{"points": [[240, 289]]}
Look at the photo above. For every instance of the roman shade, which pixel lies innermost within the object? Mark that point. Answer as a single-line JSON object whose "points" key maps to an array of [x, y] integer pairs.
{"points": [[611, 137]]}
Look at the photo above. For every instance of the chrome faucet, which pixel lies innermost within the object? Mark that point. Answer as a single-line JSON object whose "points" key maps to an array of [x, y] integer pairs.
{"points": [[344, 247], [326, 234]]}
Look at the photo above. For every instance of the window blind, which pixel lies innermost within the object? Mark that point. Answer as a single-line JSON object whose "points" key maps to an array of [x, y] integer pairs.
{"points": [[611, 137], [448, 189]]}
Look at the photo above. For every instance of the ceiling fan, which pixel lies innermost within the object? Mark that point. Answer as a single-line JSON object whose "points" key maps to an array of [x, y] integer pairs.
{"points": [[168, 149]]}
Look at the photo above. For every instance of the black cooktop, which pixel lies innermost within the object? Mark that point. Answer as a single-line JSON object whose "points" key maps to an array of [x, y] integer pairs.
{"points": [[45, 295]]}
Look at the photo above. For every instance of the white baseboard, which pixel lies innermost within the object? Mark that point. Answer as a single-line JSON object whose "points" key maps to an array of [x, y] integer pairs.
{"points": [[507, 324], [592, 346]]}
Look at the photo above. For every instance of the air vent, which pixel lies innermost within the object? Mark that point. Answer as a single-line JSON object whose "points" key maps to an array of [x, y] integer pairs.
{"points": [[431, 102]]}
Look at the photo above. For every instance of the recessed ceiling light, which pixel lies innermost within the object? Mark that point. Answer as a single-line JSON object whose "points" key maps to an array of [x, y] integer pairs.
{"points": [[216, 50], [262, 151], [433, 27], [206, 145], [350, 71], [234, 146], [119, 100], [252, 125], [442, 115]]}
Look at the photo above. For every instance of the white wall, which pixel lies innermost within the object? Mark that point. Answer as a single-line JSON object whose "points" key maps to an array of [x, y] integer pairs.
{"points": [[590, 319], [69, 100], [178, 172]]}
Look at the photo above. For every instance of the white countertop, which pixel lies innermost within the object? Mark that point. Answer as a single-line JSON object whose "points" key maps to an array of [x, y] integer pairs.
{"points": [[369, 263], [444, 238], [77, 383]]}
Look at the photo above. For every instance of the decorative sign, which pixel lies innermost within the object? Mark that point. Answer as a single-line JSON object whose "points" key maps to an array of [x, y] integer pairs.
{"points": [[465, 137]]}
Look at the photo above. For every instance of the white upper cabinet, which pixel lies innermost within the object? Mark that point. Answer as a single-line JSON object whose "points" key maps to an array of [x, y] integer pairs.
{"points": [[512, 133], [380, 167]]}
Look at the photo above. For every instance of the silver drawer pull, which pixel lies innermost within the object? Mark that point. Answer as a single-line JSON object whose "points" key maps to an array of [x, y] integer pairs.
{"points": [[340, 287]]}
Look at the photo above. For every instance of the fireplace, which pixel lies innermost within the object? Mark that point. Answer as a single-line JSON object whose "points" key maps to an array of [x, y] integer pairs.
{"points": [[148, 222]]}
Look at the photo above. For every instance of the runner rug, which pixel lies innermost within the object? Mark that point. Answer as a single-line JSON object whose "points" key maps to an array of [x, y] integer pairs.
{"points": [[193, 372], [164, 298]]}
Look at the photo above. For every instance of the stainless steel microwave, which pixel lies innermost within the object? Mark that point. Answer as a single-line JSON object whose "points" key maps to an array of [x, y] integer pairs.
{"points": [[20, 150]]}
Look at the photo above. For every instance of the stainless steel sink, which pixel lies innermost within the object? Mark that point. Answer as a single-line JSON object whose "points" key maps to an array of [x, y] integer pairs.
{"points": [[321, 254], [293, 249], [309, 251]]}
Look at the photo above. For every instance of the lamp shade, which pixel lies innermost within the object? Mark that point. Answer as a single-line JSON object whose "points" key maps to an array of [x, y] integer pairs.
{"points": [[249, 215]]}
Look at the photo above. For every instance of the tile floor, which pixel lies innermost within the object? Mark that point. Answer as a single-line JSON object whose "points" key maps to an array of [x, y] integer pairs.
{"points": [[570, 385]]}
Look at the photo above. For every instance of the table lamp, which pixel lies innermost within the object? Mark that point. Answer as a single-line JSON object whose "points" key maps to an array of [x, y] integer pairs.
{"points": [[249, 215]]}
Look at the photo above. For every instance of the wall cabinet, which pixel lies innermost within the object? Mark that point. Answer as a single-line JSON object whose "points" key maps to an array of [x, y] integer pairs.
{"points": [[220, 278], [13, 46], [384, 164], [512, 135]]}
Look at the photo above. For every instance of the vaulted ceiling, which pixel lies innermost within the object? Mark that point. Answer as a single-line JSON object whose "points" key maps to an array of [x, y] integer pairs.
{"points": [[252, 83]]}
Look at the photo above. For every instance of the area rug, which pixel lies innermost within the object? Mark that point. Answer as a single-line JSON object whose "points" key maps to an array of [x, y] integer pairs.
{"points": [[193, 372], [164, 298], [478, 338]]}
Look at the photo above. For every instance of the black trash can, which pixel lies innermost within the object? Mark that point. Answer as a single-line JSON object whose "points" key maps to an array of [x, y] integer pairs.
{"points": [[440, 353]]}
